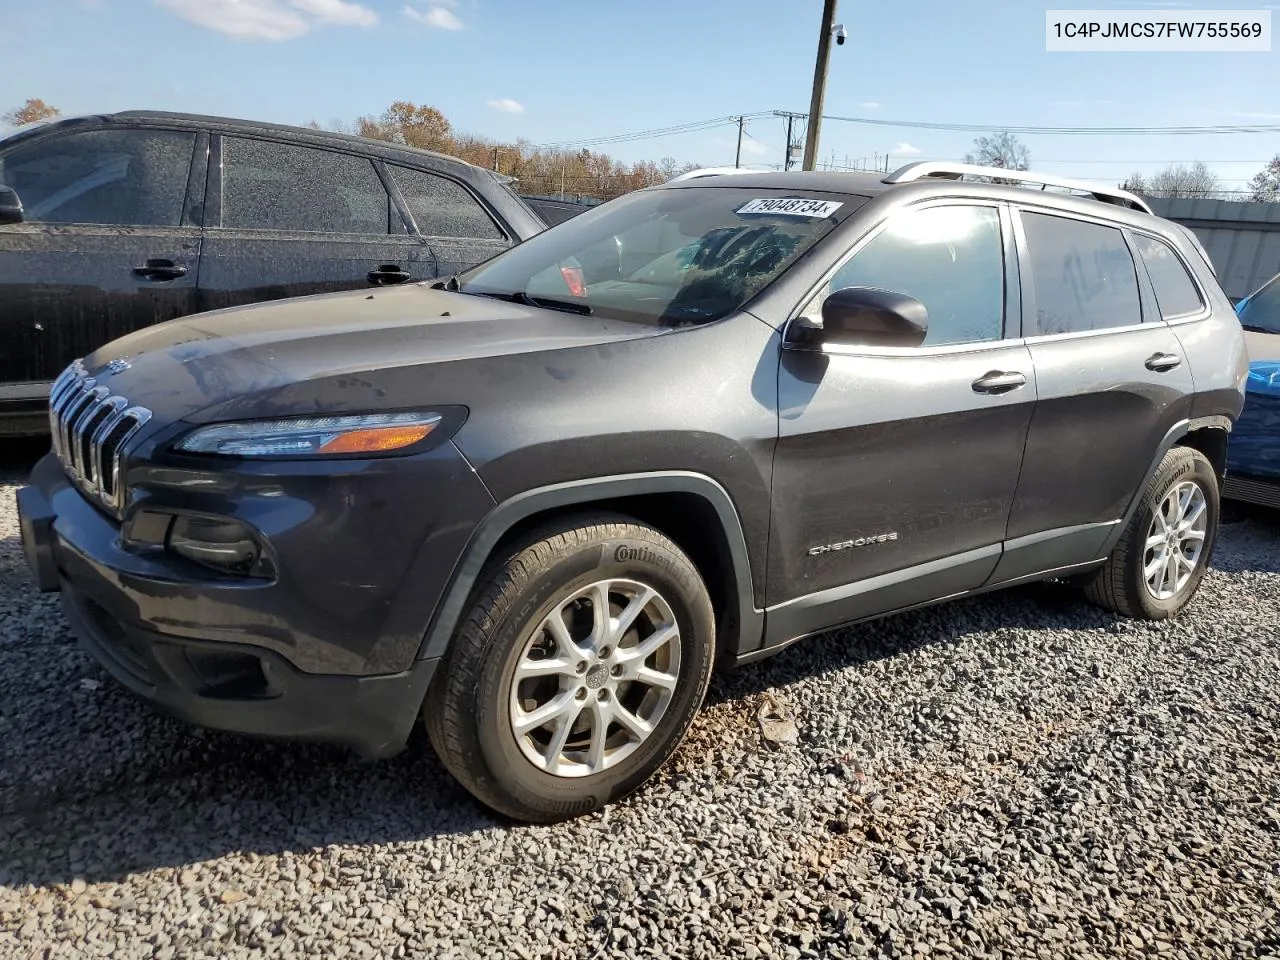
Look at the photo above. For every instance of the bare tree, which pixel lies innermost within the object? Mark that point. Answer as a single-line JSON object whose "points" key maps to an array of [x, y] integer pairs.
{"points": [[1195, 182], [999, 150], [32, 111], [1265, 187]]}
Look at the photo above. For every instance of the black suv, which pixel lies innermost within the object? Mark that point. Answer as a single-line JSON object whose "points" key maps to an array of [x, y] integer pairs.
{"points": [[130, 219], [537, 502]]}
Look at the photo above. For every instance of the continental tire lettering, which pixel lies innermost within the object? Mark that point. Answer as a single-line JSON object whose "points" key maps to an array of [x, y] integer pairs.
{"points": [[624, 553]]}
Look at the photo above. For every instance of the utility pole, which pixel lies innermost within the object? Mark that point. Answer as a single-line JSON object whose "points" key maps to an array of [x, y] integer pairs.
{"points": [[819, 84], [786, 163], [495, 159], [737, 160]]}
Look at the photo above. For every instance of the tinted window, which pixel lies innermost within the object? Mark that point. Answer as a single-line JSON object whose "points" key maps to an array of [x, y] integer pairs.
{"points": [[1262, 310], [129, 178], [1082, 274], [277, 186], [443, 208], [950, 259], [1176, 292]]}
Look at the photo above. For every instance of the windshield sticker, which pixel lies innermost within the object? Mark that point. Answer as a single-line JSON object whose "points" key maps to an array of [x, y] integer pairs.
{"points": [[792, 207]]}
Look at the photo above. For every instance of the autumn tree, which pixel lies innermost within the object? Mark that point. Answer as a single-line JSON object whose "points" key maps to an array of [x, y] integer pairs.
{"points": [[538, 170], [33, 111], [1265, 187]]}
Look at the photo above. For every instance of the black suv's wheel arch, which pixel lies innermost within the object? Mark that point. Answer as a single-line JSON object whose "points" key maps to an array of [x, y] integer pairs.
{"points": [[637, 495], [1206, 434]]}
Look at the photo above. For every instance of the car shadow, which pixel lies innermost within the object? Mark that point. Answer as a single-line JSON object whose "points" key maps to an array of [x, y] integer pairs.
{"points": [[1043, 606]]}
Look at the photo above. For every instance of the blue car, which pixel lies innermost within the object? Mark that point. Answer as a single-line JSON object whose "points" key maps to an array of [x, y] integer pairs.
{"points": [[1253, 458]]}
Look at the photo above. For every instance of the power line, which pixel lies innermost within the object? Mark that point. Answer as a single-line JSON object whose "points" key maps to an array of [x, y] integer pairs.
{"points": [[1060, 131], [691, 127]]}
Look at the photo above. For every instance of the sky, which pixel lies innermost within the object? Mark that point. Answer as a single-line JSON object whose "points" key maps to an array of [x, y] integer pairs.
{"points": [[574, 70]]}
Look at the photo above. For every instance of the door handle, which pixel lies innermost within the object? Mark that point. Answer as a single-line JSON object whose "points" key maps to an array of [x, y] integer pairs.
{"points": [[160, 270], [998, 381], [389, 273], [1163, 362]]}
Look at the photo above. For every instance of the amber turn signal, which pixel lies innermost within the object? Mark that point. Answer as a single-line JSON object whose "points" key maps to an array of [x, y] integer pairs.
{"points": [[377, 439]]}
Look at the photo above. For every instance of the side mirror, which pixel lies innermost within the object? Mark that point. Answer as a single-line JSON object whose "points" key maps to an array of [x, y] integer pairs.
{"points": [[870, 317], [10, 206]]}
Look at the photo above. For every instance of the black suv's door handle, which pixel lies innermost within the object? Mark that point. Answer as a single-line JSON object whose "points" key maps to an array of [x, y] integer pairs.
{"points": [[1163, 362], [389, 273], [160, 270], [998, 381]]}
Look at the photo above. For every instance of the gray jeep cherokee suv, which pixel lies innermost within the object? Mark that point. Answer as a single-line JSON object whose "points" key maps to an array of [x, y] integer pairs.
{"points": [[536, 503]]}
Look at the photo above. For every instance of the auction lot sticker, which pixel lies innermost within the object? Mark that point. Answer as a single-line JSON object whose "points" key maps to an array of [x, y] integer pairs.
{"points": [[792, 207], [1157, 31]]}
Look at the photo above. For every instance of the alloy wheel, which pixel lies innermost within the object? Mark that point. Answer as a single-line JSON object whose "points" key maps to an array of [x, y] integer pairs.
{"points": [[1175, 540], [595, 678]]}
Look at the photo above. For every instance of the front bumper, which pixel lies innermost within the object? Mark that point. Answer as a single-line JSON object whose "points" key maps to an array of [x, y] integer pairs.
{"points": [[189, 645]]}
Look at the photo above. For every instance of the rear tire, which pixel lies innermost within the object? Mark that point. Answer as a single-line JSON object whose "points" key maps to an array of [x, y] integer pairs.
{"points": [[1161, 558], [618, 693]]}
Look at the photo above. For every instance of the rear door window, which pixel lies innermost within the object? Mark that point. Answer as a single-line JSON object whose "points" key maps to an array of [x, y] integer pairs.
{"points": [[443, 207], [1176, 292], [281, 186], [1082, 275], [128, 178]]}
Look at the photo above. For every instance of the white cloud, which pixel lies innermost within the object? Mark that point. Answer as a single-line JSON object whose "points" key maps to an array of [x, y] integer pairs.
{"points": [[870, 104], [1255, 116], [436, 16], [269, 19], [339, 12], [506, 105], [754, 147], [904, 149]]}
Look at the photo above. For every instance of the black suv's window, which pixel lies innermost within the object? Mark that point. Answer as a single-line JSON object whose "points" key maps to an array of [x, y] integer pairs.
{"points": [[1176, 292], [1082, 274], [675, 256], [443, 208], [131, 178], [280, 186], [1261, 312], [950, 258]]}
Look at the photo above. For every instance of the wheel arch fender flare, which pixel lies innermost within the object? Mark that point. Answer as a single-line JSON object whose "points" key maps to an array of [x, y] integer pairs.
{"points": [[586, 493], [1173, 436]]}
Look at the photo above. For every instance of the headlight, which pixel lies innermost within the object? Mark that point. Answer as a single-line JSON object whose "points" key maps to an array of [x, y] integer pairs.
{"points": [[313, 436]]}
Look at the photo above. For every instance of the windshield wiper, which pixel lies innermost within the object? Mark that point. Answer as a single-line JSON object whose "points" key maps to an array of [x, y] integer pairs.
{"points": [[1252, 329], [550, 303]]}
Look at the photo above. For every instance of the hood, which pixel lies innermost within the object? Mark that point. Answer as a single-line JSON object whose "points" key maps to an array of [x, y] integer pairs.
{"points": [[356, 344], [1262, 346]]}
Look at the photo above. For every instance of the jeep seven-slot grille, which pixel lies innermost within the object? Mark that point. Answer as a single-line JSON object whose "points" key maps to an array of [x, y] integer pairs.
{"points": [[90, 426]]}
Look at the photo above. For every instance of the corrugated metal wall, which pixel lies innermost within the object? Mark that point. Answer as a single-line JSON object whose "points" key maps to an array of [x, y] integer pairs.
{"points": [[1243, 239]]}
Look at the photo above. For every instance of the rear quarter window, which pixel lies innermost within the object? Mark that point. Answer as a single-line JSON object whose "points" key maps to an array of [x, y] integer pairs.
{"points": [[1176, 293]]}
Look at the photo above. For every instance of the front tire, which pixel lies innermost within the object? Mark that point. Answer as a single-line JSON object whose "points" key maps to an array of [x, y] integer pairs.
{"points": [[584, 657], [1164, 552]]}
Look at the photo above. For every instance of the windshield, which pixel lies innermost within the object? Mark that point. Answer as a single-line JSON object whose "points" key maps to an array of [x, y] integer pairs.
{"points": [[671, 257], [1262, 310]]}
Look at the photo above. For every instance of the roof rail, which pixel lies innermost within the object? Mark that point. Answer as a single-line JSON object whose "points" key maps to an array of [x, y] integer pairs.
{"points": [[713, 172], [942, 169]]}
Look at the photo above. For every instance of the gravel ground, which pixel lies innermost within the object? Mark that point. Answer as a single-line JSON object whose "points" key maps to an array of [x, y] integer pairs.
{"points": [[1014, 775]]}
